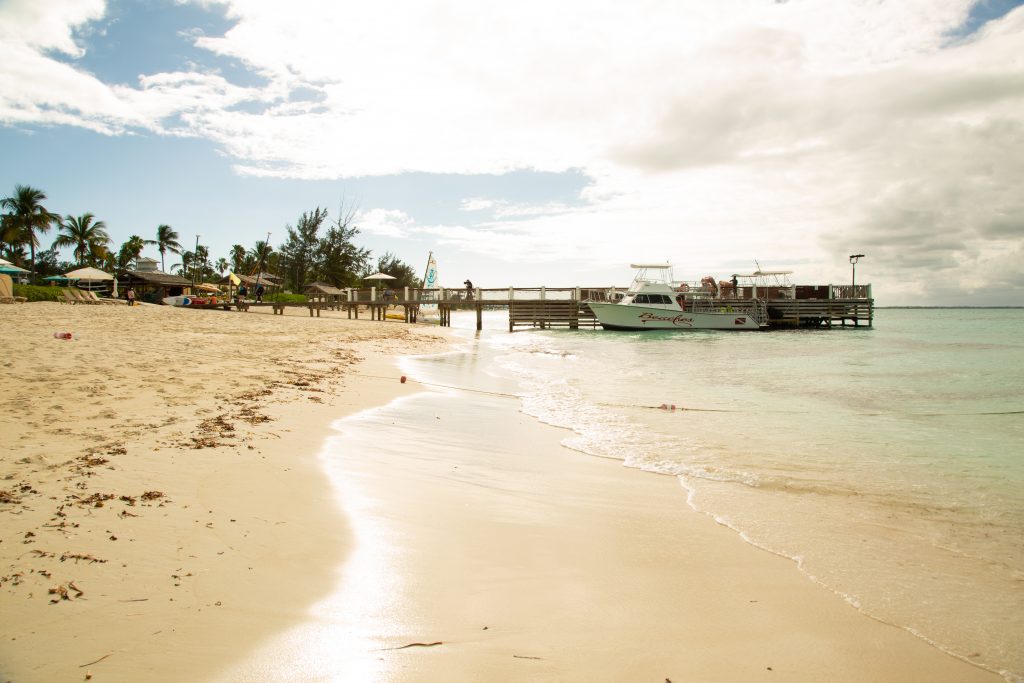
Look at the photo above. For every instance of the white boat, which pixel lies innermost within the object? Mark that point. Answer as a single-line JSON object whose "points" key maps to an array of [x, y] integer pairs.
{"points": [[656, 302]]}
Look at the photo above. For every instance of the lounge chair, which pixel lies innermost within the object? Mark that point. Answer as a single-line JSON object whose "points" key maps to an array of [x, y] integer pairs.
{"points": [[82, 298], [7, 291], [91, 296], [68, 298]]}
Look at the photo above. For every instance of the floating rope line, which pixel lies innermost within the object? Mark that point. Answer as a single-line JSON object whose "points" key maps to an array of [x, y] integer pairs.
{"points": [[673, 408]]}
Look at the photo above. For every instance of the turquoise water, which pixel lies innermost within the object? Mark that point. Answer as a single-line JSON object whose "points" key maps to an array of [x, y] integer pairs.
{"points": [[888, 462]]}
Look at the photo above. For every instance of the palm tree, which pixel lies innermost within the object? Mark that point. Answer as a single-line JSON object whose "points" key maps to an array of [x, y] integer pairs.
{"points": [[130, 251], [166, 241], [89, 239], [237, 258], [222, 265], [260, 253], [26, 216]]}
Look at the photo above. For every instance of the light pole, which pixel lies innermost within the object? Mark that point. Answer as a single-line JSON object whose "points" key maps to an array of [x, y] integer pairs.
{"points": [[853, 278]]}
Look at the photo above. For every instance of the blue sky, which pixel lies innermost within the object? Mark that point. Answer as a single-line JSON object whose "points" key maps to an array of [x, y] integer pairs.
{"points": [[541, 144]]}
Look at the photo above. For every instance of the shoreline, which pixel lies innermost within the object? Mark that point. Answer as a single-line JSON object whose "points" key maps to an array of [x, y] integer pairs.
{"points": [[163, 464], [520, 557], [515, 558]]}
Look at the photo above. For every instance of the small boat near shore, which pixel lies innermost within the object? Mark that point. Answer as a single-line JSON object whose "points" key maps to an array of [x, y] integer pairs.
{"points": [[656, 302]]}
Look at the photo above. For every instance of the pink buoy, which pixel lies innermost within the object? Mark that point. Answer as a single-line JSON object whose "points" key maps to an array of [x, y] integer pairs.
{"points": [[62, 335]]}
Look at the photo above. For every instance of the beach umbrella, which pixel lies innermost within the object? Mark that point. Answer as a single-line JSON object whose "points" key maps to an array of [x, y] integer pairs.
{"points": [[88, 274], [379, 276], [113, 291], [8, 268]]}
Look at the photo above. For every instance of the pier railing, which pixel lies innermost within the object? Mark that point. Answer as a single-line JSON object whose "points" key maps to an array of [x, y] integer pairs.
{"points": [[503, 295], [795, 305]]}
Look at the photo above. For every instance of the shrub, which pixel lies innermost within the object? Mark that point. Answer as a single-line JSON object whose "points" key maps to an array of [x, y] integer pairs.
{"points": [[38, 293], [284, 298]]}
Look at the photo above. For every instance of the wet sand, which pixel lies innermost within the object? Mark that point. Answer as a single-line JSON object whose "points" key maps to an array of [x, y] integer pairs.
{"points": [[165, 474]]}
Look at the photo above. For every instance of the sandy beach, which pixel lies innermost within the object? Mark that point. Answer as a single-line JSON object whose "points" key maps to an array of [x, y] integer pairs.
{"points": [[163, 509], [167, 514]]}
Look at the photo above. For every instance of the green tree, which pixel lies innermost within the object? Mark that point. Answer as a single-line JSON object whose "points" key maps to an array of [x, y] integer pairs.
{"points": [[129, 251], [202, 270], [89, 239], [26, 217], [403, 273], [166, 241], [340, 261], [258, 255], [237, 256], [185, 266], [301, 249], [222, 265]]}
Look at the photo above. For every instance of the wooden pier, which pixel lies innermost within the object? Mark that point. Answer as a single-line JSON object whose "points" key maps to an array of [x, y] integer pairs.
{"points": [[821, 306]]}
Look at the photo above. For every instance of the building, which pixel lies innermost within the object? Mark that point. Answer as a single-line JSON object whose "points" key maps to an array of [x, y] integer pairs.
{"points": [[152, 285]]}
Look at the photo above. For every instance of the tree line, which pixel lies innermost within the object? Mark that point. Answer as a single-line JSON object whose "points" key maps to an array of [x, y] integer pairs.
{"points": [[317, 248]]}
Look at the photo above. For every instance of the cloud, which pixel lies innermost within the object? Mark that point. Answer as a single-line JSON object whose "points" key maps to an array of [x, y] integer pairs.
{"points": [[791, 132], [385, 223]]}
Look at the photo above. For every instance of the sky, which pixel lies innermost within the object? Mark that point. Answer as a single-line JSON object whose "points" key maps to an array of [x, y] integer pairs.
{"points": [[543, 142]]}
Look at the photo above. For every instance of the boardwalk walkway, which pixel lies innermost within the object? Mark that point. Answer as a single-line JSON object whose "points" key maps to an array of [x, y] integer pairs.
{"points": [[544, 308]]}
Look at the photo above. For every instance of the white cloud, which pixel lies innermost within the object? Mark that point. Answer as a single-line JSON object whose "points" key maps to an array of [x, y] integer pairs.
{"points": [[793, 132], [478, 204], [385, 223]]}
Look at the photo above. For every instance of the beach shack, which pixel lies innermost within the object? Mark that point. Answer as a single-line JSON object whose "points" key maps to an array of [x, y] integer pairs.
{"points": [[324, 294], [152, 285]]}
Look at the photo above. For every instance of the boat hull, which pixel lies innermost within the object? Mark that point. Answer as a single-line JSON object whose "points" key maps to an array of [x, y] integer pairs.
{"points": [[629, 317]]}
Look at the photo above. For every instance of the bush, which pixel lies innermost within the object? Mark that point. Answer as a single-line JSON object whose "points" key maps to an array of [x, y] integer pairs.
{"points": [[38, 293], [284, 298]]}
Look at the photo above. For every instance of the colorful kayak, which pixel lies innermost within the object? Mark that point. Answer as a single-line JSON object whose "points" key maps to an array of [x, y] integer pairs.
{"points": [[190, 300]]}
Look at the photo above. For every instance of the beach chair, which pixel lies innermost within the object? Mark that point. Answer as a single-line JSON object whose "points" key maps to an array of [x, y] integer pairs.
{"points": [[7, 291], [91, 296], [68, 298], [82, 298]]}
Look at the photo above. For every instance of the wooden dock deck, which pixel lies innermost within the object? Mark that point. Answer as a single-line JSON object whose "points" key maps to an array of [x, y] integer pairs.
{"points": [[821, 306]]}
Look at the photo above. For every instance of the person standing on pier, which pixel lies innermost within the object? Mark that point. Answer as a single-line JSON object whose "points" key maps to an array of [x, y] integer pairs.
{"points": [[469, 289]]}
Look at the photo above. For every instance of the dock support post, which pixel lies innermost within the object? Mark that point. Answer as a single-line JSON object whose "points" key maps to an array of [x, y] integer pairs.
{"points": [[479, 317]]}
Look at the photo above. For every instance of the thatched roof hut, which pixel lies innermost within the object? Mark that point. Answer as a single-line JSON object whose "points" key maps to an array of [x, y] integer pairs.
{"points": [[324, 293], [154, 285], [251, 281], [322, 289]]}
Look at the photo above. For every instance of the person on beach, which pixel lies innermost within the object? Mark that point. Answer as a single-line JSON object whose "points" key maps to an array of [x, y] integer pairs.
{"points": [[259, 294], [129, 296], [242, 291], [469, 289]]}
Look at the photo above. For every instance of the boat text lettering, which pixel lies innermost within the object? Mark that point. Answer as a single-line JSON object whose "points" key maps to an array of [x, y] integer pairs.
{"points": [[680, 320]]}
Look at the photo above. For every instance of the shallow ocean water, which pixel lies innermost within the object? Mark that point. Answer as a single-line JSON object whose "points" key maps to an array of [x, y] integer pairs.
{"points": [[888, 462]]}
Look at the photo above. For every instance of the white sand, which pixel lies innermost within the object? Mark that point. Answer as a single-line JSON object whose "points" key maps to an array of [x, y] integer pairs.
{"points": [[544, 566]]}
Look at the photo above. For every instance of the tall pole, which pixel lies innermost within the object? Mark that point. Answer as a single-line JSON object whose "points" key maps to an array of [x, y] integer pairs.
{"points": [[853, 275], [195, 259]]}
